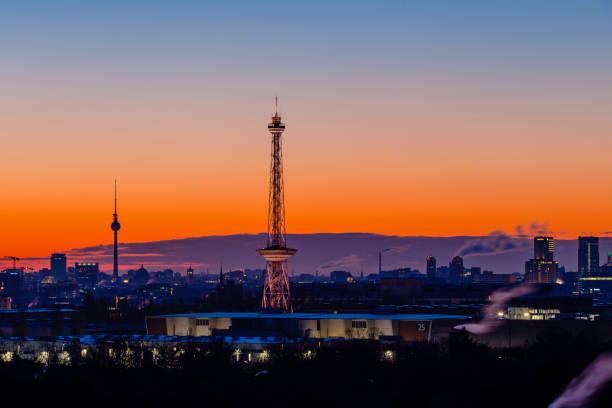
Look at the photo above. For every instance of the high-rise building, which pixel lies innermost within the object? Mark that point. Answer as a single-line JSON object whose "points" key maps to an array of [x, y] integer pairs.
{"points": [[443, 272], [115, 226], [58, 266], [11, 281], [542, 268], [543, 248], [141, 276], [431, 267], [588, 255], [87, 273], [475, 273], [456, 270], [537, 271], [189, 278], [606, 269], [276, 282]]}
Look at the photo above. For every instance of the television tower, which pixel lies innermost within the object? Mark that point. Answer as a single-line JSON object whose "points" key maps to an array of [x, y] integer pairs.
{"points": [[276, 281], [115, 226]]}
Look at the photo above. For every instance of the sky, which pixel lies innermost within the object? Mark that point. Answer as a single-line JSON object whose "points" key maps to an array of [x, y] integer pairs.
{"points": [[404, 118]]}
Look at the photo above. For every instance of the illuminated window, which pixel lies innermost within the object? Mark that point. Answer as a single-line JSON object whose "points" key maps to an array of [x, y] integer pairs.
{"points": [[202, 322], [359, 324]]}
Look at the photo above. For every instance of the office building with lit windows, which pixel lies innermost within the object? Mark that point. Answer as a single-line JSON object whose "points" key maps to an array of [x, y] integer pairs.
{"points": [[542, 268], [87, 273], [543, 248], [588, 256]]}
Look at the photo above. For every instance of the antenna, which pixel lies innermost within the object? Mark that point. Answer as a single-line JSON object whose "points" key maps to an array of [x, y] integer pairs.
{"points": [[276, 105], [115, 196]]}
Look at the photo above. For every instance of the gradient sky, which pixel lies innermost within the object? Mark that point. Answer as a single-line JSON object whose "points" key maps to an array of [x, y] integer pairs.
{"points": [[407, 118]]}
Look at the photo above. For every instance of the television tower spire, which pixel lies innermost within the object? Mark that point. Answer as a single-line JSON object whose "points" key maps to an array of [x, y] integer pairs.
{"points": [[115, 226], [276, 282]]}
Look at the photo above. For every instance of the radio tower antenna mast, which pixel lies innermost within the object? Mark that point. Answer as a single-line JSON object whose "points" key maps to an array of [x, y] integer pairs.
{"points": [[276, 295], [115, 226]]}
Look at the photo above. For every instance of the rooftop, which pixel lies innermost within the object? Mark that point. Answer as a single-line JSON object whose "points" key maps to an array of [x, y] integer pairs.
{"points": [[305, 316]]}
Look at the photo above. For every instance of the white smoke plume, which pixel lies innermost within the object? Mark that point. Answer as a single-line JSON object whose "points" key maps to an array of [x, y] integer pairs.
{"points": [[350, 262], [499, 298], [532, 229], [398, 249], [33, 303], [581, 388], [497, 242]]}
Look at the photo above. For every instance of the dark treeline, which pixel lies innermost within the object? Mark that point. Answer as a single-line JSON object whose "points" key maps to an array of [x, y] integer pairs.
{"points": [[458, 373]]}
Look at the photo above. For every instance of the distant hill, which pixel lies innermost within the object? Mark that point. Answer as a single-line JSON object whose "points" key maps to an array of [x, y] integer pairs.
{"points": [[325, 252]]}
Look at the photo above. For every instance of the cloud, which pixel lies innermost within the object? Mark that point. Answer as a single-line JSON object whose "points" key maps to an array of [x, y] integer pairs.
{"points": [[42, 258], [99, 249], [314, 251]]}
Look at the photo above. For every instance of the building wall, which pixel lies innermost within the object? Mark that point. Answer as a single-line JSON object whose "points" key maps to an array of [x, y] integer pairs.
{"points": [[414, 330], [181, 326], [384, 327], [537, 271], [309, 328], [410, 330], [201, 329], [335, 328], [187, 326], [157, 325], [222, 323], [532, 313]]}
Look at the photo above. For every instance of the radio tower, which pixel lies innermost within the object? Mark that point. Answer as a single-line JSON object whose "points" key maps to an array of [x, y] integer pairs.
{"points": [[115, 226], [276, 282]]}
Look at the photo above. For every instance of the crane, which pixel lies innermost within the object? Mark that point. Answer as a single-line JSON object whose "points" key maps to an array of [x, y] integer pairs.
{"points": [[14, 259]]}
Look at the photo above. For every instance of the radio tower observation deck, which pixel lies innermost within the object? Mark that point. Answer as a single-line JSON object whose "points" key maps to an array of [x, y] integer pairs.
{"points": [[276, 282]]}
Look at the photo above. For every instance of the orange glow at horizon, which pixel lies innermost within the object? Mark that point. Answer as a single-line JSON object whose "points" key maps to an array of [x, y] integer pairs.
{"points": [[408, 178], [403, 118]]}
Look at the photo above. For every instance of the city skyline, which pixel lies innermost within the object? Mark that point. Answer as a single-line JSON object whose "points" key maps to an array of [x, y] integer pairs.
{"points": [[332, 203], [353, 252], [433, 146]]}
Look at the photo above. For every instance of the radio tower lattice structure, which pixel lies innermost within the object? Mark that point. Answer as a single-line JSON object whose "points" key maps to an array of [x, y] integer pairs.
{"points": [[276, 294]]}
